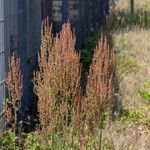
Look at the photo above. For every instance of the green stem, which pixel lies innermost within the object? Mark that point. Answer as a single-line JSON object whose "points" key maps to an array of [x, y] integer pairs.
{"points": [[102, 117], [100, 134], [15, 122]]}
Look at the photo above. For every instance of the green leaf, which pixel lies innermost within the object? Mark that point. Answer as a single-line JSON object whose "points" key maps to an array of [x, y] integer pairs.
{"points": [[145, 95]]}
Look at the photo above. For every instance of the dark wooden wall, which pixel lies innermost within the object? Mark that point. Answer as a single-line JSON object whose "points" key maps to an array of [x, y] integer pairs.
{"points": [[85, 15], [46, 6]]}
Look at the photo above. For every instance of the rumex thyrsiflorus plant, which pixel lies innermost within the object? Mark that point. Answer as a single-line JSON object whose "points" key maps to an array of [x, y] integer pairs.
{"points": [[57, 82], [14, 85], [99, 89]]}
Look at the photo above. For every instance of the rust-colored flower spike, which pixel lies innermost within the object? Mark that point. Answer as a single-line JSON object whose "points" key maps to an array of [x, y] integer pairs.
{"points": [[14, 85], [100, 80], [14, 81], [42, 79], [69, 75], [68, 63], [57, 82], [46, 44]]}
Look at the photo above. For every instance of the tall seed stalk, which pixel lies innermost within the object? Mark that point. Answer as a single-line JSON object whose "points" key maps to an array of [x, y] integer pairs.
{"points": [[99, 88], [14, 85], [57, 82]]}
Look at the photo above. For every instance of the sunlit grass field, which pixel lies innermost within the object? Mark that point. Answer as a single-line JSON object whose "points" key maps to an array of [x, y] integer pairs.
{"points": [[124, 5]]}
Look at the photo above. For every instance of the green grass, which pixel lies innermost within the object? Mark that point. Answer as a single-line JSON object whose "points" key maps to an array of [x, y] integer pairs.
{"points": [[144, 92]]}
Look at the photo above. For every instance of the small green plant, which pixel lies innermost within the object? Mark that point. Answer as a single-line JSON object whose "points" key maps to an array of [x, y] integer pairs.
{"points": [[8, 141], [145, 95], [31, 142], [145, 92], [88, 50], [138, 116], [108, 144]]}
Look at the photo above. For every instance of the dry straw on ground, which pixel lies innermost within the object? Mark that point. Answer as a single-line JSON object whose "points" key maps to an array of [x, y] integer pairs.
{"points": [[124, 5]]}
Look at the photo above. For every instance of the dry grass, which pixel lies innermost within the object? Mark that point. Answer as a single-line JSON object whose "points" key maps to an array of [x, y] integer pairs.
{"points": [[123, 136], [142, 4], [135, 45], [121, 5], [124, 5]]}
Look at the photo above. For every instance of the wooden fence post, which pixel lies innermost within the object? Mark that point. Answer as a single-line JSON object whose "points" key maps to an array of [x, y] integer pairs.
{"points": [[132, 7]]}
